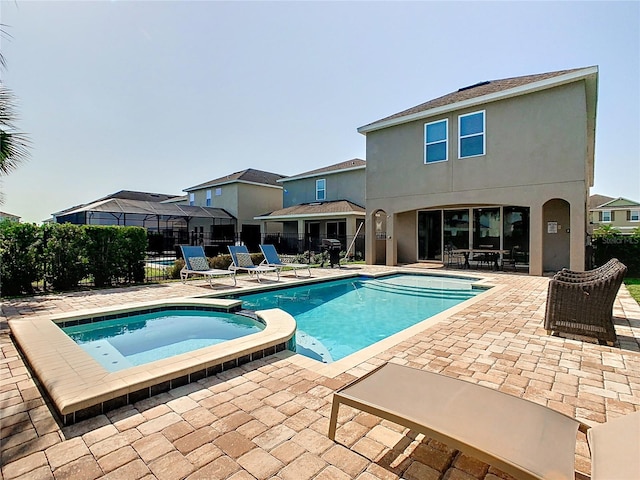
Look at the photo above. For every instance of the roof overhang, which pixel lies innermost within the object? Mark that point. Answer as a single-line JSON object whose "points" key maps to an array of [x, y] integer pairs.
{"points": [[321, 174], [311, 216], [203, 187], [589, 74]]}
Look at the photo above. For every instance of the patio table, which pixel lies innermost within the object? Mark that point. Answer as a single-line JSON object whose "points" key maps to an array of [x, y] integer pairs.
{"points": [[495, 253]]}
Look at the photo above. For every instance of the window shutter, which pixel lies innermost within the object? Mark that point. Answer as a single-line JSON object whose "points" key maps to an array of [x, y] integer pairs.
{"points": [[600, 216], [613, 216], [628, 215]]}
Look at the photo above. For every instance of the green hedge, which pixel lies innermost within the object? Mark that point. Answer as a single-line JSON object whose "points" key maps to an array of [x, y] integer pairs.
{"points": [[60, 256], [625, 248]]}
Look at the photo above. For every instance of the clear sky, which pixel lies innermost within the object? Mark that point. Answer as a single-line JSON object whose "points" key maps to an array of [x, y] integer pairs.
{"points": [[162, 96]]}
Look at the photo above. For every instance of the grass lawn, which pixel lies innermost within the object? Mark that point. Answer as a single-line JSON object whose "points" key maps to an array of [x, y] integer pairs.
{"points": [[633, 284]]}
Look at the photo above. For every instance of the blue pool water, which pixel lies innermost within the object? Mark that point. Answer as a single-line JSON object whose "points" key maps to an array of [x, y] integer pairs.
{"points": [[338, 318], [138, 339]]}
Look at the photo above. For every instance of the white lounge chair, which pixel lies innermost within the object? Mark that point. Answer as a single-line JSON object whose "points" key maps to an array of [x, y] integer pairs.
{"points": [[522, 438], [272, 259], [241, 260], [196, 263]]}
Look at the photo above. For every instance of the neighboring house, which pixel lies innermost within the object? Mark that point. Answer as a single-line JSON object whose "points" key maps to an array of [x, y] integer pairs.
{"points": [[620, 213], [158, 213], [324, 203], [9, 217], [506, 163], [245, 195]]}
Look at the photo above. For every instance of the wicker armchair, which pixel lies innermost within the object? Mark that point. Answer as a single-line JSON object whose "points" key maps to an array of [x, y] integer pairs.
{"points": [[584, 306], [572, 275]]}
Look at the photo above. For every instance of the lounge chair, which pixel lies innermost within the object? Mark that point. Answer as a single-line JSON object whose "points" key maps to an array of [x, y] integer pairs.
{"points": [[581, 303], [241, 261], [196, 263], [522, 438], [272, 259]]}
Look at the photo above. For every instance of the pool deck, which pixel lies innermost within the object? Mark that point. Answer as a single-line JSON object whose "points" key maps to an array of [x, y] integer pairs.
{"points": [[269, 419]]}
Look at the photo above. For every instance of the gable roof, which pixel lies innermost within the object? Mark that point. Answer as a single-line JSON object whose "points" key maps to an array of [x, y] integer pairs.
{"points": [[134, 195], [250, 175], [619, 202], [341, 207], [353, 164], [484, 92], [596, 200]]}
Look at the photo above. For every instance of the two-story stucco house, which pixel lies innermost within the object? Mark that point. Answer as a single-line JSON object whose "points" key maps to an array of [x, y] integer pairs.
{"points": [[499, 164], [324, 203], [620, 213], [245, 195]]}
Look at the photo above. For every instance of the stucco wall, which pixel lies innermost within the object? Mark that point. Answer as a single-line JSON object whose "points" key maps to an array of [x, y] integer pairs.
{"points": [[536, 150], [535, 139], [349, 185], [256, 200]]}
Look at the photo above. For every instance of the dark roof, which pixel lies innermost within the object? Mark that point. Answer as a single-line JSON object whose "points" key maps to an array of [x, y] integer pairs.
{"points": [[347, 165], [249, 175], [133, 195], [596, 200], [315, 208], [118, 206], [473, 91]]}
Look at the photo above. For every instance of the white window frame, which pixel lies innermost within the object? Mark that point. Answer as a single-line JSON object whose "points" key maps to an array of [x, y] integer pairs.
{"points": [[192, 199], [208, 201], [323, 190], [637, 215], [218, 191], [446, 141], [484, 134], [606, 212]]}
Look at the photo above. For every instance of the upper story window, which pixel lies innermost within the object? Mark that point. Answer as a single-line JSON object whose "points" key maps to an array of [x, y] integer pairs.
{"points": [[208, 204], [634, 215], [471, 135], [606, 215], [321, 189], [218, 191], [436, 141], [192, 199]]}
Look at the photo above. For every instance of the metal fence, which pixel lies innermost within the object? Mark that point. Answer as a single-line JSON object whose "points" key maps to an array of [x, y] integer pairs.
{"points": [[164, 250]]}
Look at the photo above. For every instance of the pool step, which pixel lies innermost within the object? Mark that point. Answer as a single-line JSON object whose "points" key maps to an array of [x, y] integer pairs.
{"points": [[416, 291]]}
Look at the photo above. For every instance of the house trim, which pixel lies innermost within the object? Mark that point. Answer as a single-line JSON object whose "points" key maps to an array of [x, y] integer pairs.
{"points": [[321, 174], [484, 99]]}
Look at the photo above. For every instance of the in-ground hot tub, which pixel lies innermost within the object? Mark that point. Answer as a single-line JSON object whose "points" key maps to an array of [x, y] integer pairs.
{"points": [[80, 387]]}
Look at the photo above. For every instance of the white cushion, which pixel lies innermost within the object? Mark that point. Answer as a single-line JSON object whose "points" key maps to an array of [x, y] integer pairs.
{"points": [[199, 263], [244, 260]]}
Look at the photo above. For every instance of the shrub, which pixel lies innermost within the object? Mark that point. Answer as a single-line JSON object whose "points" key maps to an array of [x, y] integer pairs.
{"points": [[103, 253], [19, 250], [625, 248], [174, 271], [132, 245], [64, 255]]}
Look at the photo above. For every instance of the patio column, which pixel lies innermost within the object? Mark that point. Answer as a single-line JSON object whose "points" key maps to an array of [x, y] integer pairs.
{"points": [[577, 237], [392, 241], [536, 234], [370, 240]]}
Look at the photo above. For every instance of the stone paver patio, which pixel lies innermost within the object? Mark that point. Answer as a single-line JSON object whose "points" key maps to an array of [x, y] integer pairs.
{"points": [[269, 418]]}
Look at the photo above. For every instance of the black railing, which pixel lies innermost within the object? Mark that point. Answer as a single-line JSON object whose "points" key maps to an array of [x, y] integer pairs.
{"points": [[161, 259]]}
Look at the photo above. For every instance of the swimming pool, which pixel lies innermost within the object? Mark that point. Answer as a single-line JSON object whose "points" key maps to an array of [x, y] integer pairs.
{"points": [[338, 318], [80, 387], [138, 339]]}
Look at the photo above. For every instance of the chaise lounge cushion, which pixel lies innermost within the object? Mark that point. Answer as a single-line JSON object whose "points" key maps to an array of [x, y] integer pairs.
{"points": [[199, 264], [244, 260]]}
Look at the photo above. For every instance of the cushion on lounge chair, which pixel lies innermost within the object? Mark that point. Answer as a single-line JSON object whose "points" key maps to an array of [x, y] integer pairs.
{"points": [[517, 436], [244, 260], [199, 263]]}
